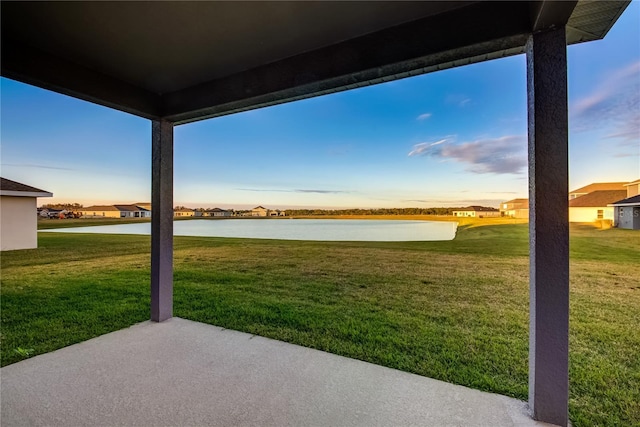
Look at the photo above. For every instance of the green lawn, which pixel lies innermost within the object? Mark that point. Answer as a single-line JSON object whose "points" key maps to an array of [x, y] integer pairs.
{"points": [[455, 311]]}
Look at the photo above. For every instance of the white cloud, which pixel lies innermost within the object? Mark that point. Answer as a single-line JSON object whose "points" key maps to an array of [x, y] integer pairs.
{"points": [[296, 190], [424, 147], [614, 105], [504, 155], [424, 116]]}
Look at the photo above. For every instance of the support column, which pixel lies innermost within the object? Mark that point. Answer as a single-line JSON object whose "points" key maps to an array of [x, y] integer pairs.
{"points": [[548, 226], [161, 220]]}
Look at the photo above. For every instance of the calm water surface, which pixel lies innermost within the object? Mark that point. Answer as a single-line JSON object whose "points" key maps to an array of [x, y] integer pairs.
{"points": [[293, 229]]}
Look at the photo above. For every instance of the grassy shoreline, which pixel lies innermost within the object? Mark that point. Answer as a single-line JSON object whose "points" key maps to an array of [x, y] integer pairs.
{"points": [[455, 311]]}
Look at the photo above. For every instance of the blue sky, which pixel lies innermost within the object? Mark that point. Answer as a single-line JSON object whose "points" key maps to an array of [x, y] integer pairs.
{"points": [[451, 138]]}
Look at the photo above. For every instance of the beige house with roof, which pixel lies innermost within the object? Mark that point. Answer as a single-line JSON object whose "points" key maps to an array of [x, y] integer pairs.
{"points": [[516, 208], [596, 186], [259, 211], [184, 212], [115, 211], [591, 202], [477, 212], [105, 211], [18, 215], [594, 206]]}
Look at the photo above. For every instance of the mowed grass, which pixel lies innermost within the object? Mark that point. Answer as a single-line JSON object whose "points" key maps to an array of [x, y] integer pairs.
{"points": [[455, 311]]}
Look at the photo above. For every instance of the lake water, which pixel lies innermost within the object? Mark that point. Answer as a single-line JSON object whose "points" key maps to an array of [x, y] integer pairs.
{"points": [[293, 229]]}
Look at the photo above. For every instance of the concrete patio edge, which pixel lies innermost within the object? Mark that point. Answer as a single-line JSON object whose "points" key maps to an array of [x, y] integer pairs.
{"points": [[186, 373]]}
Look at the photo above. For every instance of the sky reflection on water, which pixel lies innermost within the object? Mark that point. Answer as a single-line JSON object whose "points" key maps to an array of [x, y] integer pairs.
{"points": [[293, 229]]}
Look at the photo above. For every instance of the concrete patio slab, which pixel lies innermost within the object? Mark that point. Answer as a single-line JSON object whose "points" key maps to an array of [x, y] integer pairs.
{"points": [[184, 373]]}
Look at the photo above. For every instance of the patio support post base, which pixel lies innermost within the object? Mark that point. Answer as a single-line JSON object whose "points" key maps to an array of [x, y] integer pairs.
{"points": [[161, 220], [548, 226]]}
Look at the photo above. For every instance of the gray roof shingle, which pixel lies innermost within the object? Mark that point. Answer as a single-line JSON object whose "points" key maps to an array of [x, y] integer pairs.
{"points": [[8, 185], [597, 198]]}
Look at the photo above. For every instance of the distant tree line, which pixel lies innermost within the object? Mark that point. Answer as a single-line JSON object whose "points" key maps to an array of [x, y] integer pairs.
{"points": [[380, 211], [63, 206]]}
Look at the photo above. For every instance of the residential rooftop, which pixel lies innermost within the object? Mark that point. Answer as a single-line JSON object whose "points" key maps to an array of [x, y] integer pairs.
{"points": [[130, 208], [122, 208], [476, 209], [634, 200], [597, 198], [599, 186], [7, 185]]}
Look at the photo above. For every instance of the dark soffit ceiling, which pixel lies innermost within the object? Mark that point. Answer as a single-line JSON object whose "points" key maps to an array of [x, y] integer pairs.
{"points": [[186, 60]]}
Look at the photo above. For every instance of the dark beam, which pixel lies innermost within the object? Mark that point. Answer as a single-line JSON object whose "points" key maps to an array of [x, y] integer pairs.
{"points": [[38, 68], [548, 226], [161, 220], [549, 14], [431, 43]]}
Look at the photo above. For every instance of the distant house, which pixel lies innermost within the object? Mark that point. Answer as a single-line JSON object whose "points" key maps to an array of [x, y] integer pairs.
{"points": [[626, 212], [144, 205], [596, 186], [516, 208], [133, 211], [115, 211], [594, 206], [477, 212], [18, 215], [219, 213], [105, 211], [182, 212], [259, 211]]}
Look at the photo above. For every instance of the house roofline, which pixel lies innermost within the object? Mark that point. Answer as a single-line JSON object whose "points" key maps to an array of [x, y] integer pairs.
{"points": [[617, 205], [12, 193]]}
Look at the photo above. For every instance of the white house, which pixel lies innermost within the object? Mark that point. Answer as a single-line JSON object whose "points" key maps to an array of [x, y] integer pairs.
{"points": [[594, 206], [477, 212], [18, 215]]}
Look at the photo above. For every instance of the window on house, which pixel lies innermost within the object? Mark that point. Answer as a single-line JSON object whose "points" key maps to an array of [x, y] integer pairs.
{"points": [[600, 214]]}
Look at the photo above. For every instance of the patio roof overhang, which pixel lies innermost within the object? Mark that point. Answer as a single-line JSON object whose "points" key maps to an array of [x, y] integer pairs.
{"points": [[178, 62], [185, 61]]}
